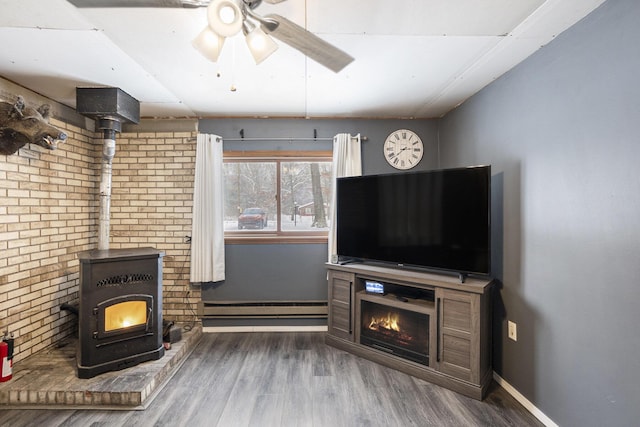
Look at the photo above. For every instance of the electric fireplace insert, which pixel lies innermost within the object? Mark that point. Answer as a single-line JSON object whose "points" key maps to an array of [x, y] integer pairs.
{"points": [[396, 324]]}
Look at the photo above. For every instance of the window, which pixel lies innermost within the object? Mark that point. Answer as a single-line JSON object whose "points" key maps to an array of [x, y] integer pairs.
{"points": [[277, 195]]}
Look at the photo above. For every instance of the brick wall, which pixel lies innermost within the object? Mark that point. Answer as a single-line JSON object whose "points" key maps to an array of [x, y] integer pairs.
{"points": [[48, 212], [49, 209]]}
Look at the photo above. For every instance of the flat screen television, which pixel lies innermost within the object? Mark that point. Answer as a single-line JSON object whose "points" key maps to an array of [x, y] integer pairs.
{"points": [[436, 219]]}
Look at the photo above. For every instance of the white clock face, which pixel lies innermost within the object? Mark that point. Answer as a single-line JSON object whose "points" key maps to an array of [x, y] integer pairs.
{"points": [[403, 149]]}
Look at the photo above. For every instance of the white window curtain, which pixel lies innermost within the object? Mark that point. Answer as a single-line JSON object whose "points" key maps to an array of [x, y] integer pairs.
{"points": [[207, 234], [347, 161]]}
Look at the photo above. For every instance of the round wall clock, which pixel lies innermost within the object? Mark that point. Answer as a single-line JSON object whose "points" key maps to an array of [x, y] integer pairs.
{"points": [[403, 149]]}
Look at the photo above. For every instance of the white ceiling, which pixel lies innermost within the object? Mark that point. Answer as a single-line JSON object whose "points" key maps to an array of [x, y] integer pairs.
{"points": [[413, 58]]}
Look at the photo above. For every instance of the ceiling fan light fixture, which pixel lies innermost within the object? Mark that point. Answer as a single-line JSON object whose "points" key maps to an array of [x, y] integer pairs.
{"points": [[209, 44], [225, 17], [260, 44]]}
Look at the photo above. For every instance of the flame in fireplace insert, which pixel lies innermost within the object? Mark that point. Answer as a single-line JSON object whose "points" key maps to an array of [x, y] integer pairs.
{"points": [[388, 322], [125, 315]]}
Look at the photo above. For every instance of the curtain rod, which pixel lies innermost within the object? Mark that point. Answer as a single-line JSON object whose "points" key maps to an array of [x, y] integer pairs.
{"points": [[315, 138], [362, 138]]}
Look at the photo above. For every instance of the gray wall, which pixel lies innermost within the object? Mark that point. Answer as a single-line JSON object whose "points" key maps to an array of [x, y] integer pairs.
{"points": [[562, 134], [294, 271]]}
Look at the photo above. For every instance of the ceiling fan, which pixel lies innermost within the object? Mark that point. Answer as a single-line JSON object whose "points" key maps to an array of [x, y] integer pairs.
{"points": [[228, 17]]}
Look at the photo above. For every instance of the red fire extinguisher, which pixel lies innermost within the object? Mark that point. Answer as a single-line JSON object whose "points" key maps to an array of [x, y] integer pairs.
{"points": [[6, 355]]}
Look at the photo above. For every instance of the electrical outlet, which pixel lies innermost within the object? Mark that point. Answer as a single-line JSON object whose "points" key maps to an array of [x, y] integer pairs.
{"points": [[513, 330]]}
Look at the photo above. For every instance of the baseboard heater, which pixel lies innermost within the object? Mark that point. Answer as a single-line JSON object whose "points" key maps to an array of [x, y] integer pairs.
{"points": [[263, 309]]}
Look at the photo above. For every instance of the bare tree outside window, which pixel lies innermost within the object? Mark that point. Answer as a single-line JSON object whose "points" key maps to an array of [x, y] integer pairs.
{"points": [[304, 188], [319, 214]]}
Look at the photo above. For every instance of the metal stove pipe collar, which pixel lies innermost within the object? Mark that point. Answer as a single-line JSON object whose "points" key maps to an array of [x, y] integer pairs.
{"points": [[108, 150], [109, 123], [109, 127]]}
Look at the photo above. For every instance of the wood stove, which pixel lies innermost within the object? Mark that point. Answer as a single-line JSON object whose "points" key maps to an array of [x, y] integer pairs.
{"points": [[120, 311], [397, 324]]}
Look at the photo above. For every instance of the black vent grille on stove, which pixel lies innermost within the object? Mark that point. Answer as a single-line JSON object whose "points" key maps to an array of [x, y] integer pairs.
{"points": [[125, 279]]}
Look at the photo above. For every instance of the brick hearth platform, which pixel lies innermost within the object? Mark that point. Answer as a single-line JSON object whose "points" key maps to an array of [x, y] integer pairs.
{"points": [[48, 379]]}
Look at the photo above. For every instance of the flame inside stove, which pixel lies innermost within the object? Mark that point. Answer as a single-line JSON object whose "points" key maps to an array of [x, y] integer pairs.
{"points": [[388, 322], [125, 315]]}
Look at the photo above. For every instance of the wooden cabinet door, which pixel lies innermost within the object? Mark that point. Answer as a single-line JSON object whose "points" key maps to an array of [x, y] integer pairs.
{"points": [[340, 302], [459, 334]]}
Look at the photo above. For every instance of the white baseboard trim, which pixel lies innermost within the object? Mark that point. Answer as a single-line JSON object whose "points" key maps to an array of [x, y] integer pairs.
{"points": [[214, 329], [524, 401]]}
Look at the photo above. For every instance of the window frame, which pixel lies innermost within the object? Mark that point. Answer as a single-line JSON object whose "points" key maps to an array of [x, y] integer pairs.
{"points": [[278, 157]]}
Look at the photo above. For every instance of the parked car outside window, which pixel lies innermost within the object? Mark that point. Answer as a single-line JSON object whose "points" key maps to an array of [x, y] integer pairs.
{"points": [[252, 218]]}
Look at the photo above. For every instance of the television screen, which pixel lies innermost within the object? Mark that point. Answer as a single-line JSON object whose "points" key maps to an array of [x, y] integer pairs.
{"points": [[433, 219]]}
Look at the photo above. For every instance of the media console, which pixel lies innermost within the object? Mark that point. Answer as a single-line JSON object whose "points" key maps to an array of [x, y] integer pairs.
{"points": [[428, 325]]}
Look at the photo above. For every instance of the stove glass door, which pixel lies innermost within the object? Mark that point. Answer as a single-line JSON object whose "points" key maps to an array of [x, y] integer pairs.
{"points": [[124, 315]]}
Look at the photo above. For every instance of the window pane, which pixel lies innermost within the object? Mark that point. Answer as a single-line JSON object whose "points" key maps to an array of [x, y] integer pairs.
{"points": [[250, 196], [305, 191]]}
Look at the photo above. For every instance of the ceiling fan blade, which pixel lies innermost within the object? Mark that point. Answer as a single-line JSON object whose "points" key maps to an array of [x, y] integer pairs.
{"points": [[148, 3], [308, 43], [139, 3]]}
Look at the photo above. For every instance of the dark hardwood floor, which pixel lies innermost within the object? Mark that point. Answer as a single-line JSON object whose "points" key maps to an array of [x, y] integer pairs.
{"points": [[290, 379]]}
